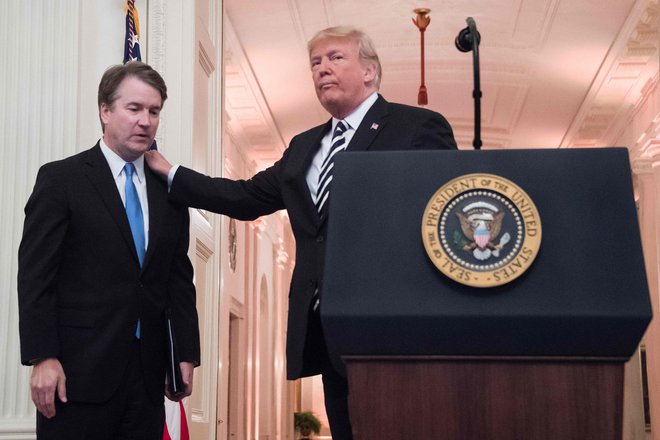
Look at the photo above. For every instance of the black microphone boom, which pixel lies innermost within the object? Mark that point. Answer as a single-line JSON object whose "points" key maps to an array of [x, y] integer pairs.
{"points": [[468, 40]]}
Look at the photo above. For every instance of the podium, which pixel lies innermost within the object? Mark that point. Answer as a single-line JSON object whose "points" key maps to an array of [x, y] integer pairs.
{"points": [[539, 357]]}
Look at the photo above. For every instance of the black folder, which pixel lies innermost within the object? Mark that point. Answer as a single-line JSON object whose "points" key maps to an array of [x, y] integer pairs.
{"points": [[174, 380]]}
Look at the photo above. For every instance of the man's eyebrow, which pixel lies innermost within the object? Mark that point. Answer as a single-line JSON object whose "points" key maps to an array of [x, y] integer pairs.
{"points": [[328, 53], [138, 103]]}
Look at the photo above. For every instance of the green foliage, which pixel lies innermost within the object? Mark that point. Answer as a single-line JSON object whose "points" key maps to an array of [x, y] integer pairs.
{"points": [[306, 422]]}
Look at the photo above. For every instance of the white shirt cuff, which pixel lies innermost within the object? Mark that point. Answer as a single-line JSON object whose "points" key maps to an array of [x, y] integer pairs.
{"points": [[170, 176]]}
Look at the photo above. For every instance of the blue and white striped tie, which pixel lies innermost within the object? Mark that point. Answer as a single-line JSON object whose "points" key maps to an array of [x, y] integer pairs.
{"points": [[325, 177]]}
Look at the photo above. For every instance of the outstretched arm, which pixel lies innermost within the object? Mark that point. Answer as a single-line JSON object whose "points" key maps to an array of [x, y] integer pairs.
{"points": [[240, 199]]}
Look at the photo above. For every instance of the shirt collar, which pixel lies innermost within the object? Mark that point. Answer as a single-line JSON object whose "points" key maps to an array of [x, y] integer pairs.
{"points": [[117, 163], [355, 119]]}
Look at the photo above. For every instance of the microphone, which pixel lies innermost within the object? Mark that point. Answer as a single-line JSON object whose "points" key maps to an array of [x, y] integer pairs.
{"points": [[468, 40], [464, 41]]}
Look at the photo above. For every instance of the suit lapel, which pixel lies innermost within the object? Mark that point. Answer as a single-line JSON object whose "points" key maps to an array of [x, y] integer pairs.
{"points": [[311, 142], [157, 199], [98, 172], [372, 124]]}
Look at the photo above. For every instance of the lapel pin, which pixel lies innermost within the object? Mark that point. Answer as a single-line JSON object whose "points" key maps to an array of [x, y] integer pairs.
{"points": [[374, 126]]}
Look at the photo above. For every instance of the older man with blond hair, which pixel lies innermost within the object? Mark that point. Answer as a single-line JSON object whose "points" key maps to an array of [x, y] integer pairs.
{"points": [[346, 73]]}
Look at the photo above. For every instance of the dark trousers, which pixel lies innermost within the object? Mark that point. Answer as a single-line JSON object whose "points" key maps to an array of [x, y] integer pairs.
{"points": [[335, 390], [335, 386], [129, 414]]}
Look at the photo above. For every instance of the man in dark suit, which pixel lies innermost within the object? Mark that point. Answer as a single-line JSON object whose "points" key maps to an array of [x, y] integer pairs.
{"points": [[103, 255], [346, 74]]}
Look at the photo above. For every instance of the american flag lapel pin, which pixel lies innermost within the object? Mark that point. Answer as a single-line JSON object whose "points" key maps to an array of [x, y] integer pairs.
{"points": [[374, 126]]}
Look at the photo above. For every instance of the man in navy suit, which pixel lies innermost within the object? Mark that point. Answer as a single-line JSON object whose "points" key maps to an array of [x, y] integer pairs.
{"points": [[103, 256], [346, 72]]}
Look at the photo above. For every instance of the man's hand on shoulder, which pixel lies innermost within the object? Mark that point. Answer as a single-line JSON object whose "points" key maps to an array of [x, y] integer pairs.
{"points": [[158, 163], [47, 378]]}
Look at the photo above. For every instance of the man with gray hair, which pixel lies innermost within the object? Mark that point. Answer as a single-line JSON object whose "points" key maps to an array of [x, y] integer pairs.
{"points": [[346, 73]]}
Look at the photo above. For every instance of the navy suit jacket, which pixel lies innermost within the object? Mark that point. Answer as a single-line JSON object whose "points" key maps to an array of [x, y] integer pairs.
{"points": [[80, 286], [386, 126]]}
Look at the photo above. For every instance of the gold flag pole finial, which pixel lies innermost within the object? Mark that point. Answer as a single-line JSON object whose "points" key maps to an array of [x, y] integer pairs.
{"points": [[422, 21]]}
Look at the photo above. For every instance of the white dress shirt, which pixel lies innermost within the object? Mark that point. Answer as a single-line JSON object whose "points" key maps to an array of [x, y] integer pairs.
{"points": [[117, 168], [353, 121]]}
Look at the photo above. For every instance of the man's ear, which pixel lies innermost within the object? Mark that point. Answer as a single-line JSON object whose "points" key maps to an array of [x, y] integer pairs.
{"points": [[369, 72], [103, 112]]}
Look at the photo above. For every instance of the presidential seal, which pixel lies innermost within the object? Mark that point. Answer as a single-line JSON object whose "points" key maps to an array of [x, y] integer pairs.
{"points": [[481, 230]]}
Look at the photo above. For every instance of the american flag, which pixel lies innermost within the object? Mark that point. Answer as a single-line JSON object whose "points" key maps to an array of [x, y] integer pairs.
{"points": [[176, 425], [132, 39]]}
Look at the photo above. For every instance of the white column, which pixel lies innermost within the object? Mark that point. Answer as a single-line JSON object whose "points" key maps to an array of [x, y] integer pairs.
{"points": [[172, 52], [647, 176]]}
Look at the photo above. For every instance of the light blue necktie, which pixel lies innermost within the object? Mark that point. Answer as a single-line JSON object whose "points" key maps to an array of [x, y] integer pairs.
{"points": [[135, 218]]}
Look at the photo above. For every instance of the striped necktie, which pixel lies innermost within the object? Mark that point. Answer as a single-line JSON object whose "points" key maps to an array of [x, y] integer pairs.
{"points": [[325, 177]]}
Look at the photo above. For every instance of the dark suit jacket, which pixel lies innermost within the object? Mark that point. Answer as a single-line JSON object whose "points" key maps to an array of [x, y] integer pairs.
{"points": [[386, 126], [80, 286]]}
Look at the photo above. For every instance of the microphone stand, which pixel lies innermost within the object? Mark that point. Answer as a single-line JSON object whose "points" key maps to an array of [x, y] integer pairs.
{"points": [[468, 40]]}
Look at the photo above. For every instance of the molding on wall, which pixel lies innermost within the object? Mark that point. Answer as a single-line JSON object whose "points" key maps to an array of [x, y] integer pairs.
{"points": [[648, 144], [155, 51], [622, 80]]}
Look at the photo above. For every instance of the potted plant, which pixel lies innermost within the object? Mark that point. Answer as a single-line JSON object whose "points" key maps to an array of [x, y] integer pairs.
{"points": [[305, 423]]}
